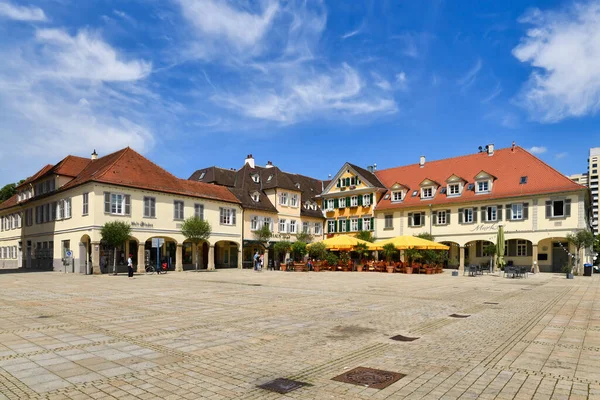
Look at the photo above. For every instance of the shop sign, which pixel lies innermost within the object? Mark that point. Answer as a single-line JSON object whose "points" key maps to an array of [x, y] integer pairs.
{"points": [[485, 228], [142, 225]]}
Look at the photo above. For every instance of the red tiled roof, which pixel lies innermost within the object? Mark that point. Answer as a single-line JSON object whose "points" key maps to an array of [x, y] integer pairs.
{"points": [[507, 165], [126, 167], [37, 175], [68, 166], [8, 203]]}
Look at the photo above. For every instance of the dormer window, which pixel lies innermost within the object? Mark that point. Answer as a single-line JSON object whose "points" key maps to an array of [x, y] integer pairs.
{"points": [[255, 197], [256, 178], [454, 189], [269, 178], [298, 185], [483, 187], [397, 196], [427, 193]]}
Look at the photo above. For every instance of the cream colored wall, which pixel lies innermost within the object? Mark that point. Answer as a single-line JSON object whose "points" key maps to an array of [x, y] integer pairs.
{"points": [[286, 211], [535, 228], [248, 214], [249, 234]]}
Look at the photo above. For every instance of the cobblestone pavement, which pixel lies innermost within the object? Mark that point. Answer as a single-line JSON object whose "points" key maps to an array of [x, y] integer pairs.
{"points": [[219, 335]]}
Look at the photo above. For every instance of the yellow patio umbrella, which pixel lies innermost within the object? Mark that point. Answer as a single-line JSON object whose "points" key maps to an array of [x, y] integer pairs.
{"points": [[412, 242], [344, 243]]}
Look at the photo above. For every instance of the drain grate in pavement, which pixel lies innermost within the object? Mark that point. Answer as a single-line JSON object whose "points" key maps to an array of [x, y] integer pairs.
{"points": [[489, 302], [44, 316], [282, 385], [401, 338], [459, 316], [372, 378]]}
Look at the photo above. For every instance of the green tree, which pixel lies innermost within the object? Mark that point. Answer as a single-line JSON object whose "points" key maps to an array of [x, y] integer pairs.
{"points": [[412, 254], [365, 235], [362, 250], [115, 233], [304, 237], [7, 192], [263, 236], [282, 247], [196, 230], [317, 251], [298, 250], [388, 251], [580, 240], [427, 256]]}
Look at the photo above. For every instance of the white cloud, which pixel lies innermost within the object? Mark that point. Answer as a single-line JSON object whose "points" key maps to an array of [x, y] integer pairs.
{"points": [[538, 150], [21, 13], [339, 92], [70, 96], [561, 155], [471, 76], [564, 49], [495, 93], [86, 56], [350, 34]]}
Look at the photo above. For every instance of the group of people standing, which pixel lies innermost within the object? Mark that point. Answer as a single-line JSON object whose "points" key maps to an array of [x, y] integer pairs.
{"points": [[258, 261]]}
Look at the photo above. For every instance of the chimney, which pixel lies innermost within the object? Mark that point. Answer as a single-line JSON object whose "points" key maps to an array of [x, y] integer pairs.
{"points": [[250, 160], [269, 164], [94, 155], [422, 161], [490, 149], [371, 168]]}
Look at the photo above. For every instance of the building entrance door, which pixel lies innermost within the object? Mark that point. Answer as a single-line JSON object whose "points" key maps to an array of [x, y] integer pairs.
{"points": [[560, 257]]}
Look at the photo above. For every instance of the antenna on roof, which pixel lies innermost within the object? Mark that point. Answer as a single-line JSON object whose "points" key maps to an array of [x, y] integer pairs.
{"points": [[480, 149], [513, 146]]}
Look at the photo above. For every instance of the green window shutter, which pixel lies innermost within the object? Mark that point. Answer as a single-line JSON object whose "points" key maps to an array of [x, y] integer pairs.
{"points": [[435, 218], [508, 212], [127, 204], [340, 225], [336, 203], [474, 214], [348, 202], [347, 181], [567, 207], [410, 219], [499, 212], [371, 198], [548, 209], [348, 225], [339, 183], [525, 210], [460, 215], [360, 224], [448, 217], [106, 202], [372, 224], [360, 198], [483, 214]]}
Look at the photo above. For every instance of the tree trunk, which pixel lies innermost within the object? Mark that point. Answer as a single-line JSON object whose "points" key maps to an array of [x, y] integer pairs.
{"points": [[115, 261]]}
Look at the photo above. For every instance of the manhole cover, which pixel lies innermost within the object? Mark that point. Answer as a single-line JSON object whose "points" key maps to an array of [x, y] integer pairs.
{"points": [[459, 316], [282, 385], [489, 302], [401, 338], [373, 378]]}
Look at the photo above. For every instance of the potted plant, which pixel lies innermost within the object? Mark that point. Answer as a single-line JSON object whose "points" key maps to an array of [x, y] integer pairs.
{"points": [[298, 252], [567, 270], [344, 259], [411, 254], [280, 248], [332, 260], [388, 252], [362, 250], [317, 251], [580, 240]]}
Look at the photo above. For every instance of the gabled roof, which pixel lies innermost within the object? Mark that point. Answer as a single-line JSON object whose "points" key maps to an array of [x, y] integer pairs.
{"points": [[215, 175], [428, 181], [507, 165], [368, 177], [69, 166]]}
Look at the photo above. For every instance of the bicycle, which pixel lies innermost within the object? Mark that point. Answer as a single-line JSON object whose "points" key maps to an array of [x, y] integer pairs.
{"points": [[151, 269]]}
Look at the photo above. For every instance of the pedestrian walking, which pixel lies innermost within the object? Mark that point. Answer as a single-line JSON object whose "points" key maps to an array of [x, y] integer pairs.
{"points": [[261, 260], [130, 266], [256, 260]]}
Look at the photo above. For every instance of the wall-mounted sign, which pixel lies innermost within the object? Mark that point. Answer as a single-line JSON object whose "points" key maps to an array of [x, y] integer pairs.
{"points": [[142, 225], [485, 228]]}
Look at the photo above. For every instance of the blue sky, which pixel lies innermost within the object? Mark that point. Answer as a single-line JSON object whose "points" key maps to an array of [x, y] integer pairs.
{"points": [[307, 84]]}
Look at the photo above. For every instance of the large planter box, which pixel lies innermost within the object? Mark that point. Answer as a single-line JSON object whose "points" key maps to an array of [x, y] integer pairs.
{"points": [[359, 268], [299, 267]]}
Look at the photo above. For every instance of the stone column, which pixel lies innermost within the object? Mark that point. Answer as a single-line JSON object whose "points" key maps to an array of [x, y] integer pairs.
{"points": [[141, 255], [179, 258], [126, 250], [211, 257], [96, 258], [461, 258], [240, 261], [534, 258]]}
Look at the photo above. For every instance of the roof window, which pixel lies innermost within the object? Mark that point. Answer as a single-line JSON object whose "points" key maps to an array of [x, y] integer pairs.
{"points": [[471, 186], [256, 178], [415, 193], [269, 178], [201, 176], [523, 180]]}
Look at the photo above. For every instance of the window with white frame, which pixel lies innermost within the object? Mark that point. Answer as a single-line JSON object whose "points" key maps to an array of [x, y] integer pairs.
{"points": [[149, 207], [255, 197], [354, 201], [305, 227], [366, 200], [441, 218], [68, 207], [268, 222], [282, 225], [178, 210], [483, 186], [389, 221], [60, 210], [86, 205], [491, 214], [330, 204], [254, 223], [366, 225], [117, 204], [342, 202], [293, 226], [522, 248], [227, 216], [344, 225], [199, 211], [256, 178], [426, 193], [354, 225], [558, 208], [516, 212], [468, 215], [397, 196], [454, 189], [330, 226], [294, 200], [283, 199], [318, 227]]}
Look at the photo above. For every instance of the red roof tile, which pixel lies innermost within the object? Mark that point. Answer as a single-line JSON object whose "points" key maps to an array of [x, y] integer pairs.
{"points": [[8, 203], [128, 168], [507, 165], [68, 166]]}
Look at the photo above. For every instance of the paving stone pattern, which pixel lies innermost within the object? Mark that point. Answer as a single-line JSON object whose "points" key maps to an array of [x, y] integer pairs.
{"points": [[220, 335]]}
